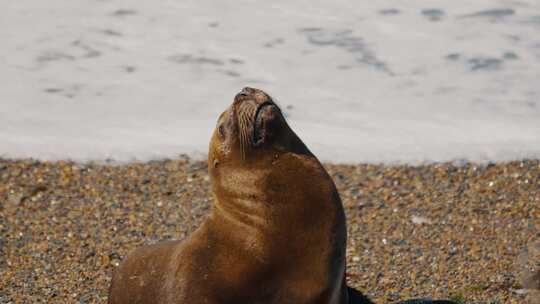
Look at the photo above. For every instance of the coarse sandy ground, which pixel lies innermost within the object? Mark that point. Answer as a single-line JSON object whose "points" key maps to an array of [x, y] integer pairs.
{"points": [[466, 232]]}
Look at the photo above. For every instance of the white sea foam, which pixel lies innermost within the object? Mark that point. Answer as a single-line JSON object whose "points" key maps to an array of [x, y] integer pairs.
{"points": [[360, 81]]}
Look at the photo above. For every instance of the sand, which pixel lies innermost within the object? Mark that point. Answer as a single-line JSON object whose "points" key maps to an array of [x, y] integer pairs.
{"points": [[461, 231]]}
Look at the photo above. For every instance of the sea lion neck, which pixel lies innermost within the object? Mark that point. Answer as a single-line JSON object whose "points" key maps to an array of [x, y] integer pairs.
{"points": [[254, 195], [240, 196]]}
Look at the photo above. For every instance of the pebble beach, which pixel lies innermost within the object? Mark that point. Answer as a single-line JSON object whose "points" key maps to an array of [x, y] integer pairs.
{"points": [[464, 231], [389, 92]]}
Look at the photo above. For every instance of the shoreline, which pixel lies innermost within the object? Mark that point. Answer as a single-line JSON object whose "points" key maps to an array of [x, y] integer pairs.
{"points": [[201, 157], [436, 230]]}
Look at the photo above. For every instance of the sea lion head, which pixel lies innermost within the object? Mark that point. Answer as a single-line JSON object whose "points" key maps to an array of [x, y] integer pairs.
{"points": [[251, 130]]}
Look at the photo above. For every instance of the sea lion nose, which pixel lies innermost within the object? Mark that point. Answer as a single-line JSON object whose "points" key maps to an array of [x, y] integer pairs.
{"points": [[246, 91], [253, 96]]}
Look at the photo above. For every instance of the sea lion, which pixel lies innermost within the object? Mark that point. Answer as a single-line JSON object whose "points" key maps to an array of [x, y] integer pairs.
{"points": [[276, 232]]}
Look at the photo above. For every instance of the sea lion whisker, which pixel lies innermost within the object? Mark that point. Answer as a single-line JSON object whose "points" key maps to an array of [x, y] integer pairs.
{"points": [[243, 134], [245, 119]]}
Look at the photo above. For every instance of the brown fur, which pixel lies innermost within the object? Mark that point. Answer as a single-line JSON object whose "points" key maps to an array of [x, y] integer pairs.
{"points": [[276, 232]]}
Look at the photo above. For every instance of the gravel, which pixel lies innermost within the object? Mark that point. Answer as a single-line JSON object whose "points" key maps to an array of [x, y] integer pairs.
{"points": [[462, 231]]}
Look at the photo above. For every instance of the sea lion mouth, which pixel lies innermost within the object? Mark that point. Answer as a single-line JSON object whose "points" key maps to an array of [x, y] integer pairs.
{"points": [[259, 130]]}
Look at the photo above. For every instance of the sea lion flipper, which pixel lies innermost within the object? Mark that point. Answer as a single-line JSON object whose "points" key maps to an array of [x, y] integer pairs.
{"points": [[356, 297]]}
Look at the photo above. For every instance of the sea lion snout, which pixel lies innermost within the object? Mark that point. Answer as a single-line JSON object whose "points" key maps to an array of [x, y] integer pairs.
{"points": [[255, 113], [244, 92], [254, 95]]}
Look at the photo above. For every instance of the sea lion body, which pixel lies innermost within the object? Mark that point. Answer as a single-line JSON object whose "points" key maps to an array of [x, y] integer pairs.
{"points": [[276, 232]]}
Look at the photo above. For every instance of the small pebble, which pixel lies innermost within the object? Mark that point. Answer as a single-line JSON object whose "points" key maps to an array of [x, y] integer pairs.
{"points": [[430, 231]]}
